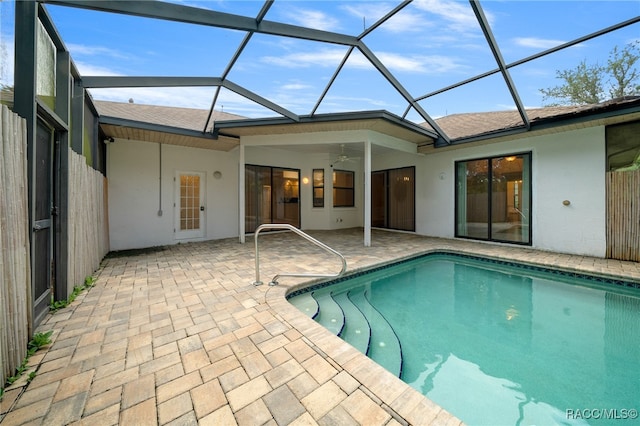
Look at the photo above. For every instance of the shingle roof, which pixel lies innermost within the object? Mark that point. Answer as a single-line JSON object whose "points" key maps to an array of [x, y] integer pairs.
{"points": [[458, 126], [184, 118]]}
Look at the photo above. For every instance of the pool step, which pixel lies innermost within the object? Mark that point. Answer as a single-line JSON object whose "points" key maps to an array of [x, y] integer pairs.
{"points": [[330, 314], [306, 303], [356, 329], [384, 347]]}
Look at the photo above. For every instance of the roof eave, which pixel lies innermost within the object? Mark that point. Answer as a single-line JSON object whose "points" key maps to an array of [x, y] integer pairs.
{"points": [[326, 118], [123, 122]]}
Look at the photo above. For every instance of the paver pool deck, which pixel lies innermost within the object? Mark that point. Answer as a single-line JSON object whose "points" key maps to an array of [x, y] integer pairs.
{"points": [[179, 335]]}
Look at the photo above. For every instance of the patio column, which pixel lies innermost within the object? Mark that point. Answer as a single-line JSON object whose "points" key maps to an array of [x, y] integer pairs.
{"points": [[367, 193], [241, 194]]}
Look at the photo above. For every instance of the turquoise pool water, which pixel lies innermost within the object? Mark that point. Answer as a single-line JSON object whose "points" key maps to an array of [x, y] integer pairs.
{"points": [[492, 343]]}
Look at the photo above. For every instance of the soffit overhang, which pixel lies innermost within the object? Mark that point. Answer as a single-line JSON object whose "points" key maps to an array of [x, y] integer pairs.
{"points": [[378, 121], [226, 134], [122, 129]]}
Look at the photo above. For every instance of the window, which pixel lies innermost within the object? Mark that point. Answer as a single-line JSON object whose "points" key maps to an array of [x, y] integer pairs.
{"points": [[623, 146], [343, 193], [393, 199], [493, 198], [318, 187]]}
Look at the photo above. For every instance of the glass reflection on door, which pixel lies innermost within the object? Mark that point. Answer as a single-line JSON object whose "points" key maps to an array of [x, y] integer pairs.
{"points": [[493, 197], [272, 195]]}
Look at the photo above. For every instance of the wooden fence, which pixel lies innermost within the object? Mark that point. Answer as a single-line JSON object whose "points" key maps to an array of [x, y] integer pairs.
{"points": [[15, 275], [623, 215], [88, 236]]}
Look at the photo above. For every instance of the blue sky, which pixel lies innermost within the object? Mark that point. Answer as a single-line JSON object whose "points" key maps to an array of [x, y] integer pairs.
{"points": [[428, 45]]}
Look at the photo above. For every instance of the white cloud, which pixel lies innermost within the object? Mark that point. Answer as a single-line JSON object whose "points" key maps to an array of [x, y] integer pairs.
{"points": [[86, 69], [370, 11], [538, 43], [457, 16], [295, 86], [402, 63], [78, 50], [322, 58], [299, 103], [312, 19], [187, 97], [406, 22], [88, 60], [424, 64], [330, 58], [416, 64]]}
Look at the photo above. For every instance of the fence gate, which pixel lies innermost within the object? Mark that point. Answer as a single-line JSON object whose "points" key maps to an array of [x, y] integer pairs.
{"points": [[42, 230], [623, 215]]}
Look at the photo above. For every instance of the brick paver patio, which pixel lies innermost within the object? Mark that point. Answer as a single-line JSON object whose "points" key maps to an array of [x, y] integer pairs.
{"points": [[179, 335]]}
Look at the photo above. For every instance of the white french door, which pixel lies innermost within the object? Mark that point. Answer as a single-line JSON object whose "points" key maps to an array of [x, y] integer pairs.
{"points": [[189, 205]]}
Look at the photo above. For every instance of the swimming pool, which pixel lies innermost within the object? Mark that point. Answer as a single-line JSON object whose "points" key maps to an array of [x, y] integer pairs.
{"points": [[494, 342]]}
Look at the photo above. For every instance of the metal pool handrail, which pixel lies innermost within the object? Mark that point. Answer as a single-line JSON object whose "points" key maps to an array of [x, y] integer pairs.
{"points": [[274, 281]]}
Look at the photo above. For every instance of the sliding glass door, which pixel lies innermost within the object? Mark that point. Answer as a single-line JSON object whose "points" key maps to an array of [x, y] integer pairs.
{"points": [[272, 195], [393, 199], [493, 198]]}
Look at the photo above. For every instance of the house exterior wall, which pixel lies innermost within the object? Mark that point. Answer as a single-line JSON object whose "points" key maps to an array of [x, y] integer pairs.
{"points": [[565, 166], [134, 192]]}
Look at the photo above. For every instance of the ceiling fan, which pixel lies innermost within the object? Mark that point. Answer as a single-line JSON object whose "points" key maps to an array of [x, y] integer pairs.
{"points": [[342, 157]]}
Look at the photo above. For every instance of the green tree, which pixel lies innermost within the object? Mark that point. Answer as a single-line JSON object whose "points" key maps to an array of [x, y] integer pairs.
{"points": [[626, 79], [592, 84]]}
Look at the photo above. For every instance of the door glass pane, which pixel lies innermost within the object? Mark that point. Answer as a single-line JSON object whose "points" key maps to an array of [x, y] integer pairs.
{"points": [[510, 199], [189, 202], [493, 198], [401, 199], [257, 197], [378, 199], [318, 187], [285, 200], [472, 199], [272, 195], [343, 189]]}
